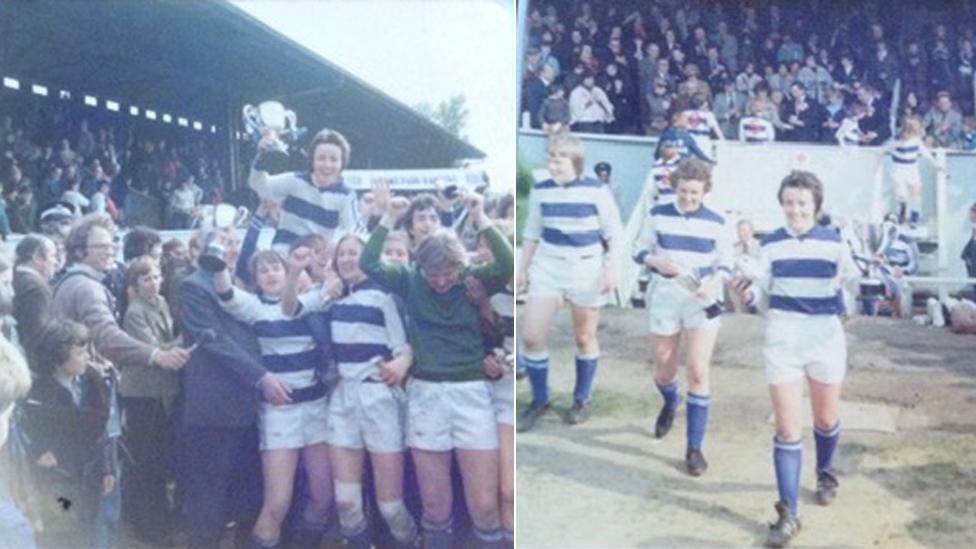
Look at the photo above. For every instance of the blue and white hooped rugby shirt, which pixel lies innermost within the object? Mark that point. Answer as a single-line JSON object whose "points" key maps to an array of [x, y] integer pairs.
{"points": [[659, 180], [365, 326], [306, 208], [571, 221], [804, 274], [699, 241], [905, 153], [288, 348]]}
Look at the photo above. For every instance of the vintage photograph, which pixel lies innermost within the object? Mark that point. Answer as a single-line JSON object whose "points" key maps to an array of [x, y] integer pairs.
{"points": [[256, 274], [746, 262]]}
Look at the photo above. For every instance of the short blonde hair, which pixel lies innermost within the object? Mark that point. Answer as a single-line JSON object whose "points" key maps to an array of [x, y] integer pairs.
{"points": [[569, 145], [911, 126], [441, 249]]}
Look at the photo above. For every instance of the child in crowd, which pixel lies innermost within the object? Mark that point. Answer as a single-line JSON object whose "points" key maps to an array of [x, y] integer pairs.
{"points": [[147, 394], [554, 113], [755, 128], [73, 426]]}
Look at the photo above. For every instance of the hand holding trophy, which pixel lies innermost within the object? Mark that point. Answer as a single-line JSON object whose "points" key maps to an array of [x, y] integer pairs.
{"points": [[272, 127]]}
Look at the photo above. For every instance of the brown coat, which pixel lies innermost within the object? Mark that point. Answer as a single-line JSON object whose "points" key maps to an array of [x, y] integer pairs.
{"points": [[32, 304], [81, 296]]}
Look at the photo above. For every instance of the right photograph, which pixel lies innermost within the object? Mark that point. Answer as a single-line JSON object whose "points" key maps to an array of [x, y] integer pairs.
{"points": [[746, 272]]}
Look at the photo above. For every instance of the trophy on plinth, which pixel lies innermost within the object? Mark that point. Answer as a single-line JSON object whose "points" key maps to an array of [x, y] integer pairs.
{"points": [[272, 118]]}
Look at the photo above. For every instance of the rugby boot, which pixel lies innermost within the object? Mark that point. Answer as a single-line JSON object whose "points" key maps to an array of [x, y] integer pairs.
{"points": [[665, 419], [695, 462], [826, 487], [785, 528], [529, 416], [579, 413]]}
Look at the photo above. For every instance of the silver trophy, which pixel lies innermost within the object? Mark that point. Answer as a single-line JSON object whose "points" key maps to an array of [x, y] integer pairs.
{"points": [[281, 124]]}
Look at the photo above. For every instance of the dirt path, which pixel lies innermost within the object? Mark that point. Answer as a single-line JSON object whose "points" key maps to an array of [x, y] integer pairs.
{"points": [[608, 483]]}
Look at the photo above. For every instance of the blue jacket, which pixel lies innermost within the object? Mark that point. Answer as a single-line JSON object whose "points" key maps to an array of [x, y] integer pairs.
{"points": [[220, 379]]}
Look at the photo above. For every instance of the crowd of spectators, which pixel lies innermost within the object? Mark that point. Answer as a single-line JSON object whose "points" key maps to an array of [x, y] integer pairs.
{"points": [[624, 67], [104, 337], [51, 155]]}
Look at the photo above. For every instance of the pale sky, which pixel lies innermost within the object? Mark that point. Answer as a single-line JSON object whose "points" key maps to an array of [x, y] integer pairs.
{"points": [[415, 51]]}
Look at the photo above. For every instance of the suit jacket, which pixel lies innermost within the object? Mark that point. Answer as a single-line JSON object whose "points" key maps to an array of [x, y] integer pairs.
{"points": [[969, 256], [81, 296], [220, 379], [32, 303], [149, 321]]}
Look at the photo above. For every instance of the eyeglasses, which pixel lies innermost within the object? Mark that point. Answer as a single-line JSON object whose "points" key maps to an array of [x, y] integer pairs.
{"points": [[104, 246]]}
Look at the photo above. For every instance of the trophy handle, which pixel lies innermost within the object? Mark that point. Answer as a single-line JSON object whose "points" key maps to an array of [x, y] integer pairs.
{"points": [[251, 123], [291, 122]]}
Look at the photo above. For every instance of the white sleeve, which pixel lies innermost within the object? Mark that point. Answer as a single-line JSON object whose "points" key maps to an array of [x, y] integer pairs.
{"points": [[533, 221], [762, 281], [273, 187], [394, 327], [742, 132], [770, 131], [313, 301], [644, 245], [242, 305], [725, 258], [609, 214]]}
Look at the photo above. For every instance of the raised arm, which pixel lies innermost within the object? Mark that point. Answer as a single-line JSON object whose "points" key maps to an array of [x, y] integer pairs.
{"points": [[393, 277]]}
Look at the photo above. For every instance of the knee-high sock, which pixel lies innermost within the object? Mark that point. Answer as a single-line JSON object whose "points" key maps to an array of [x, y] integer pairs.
{"points": [[537, 367], [697, 419], [585, 372], [669, 393], [787, 459], [826, 445]]}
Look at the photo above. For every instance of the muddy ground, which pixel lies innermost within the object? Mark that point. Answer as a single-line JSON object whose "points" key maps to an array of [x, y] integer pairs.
{"points": [[907, 456]]}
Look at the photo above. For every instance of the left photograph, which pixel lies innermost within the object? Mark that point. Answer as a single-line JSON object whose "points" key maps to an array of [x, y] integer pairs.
{"points": [[256, 274]]}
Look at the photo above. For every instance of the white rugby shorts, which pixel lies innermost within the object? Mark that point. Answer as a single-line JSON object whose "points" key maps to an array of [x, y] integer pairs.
{"points": [[370, 415], [444, 415], [812, 346]]}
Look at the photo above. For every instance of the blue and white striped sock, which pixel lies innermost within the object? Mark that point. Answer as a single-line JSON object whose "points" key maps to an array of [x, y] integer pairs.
{"points": [[537, 367], [788, 458], [585, 372], [697, 419], [826, 445]]}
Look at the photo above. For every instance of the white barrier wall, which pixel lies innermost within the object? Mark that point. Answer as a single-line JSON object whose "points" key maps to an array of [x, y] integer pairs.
{"points": [[746, 180]]}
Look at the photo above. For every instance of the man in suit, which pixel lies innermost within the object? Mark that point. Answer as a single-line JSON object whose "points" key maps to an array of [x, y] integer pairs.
{"points": [[36, 263], [223, 384]]}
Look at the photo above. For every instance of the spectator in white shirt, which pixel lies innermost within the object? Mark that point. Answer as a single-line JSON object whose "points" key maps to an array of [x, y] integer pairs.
{"points": [[590, 109]]}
